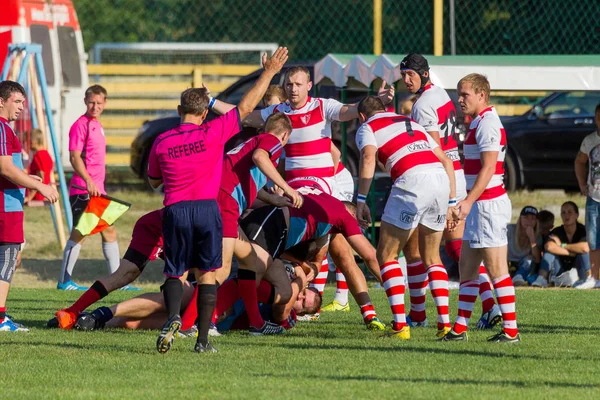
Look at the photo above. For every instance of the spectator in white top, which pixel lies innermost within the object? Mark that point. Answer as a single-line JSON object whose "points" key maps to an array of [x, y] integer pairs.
{"points": [[589, 183]]}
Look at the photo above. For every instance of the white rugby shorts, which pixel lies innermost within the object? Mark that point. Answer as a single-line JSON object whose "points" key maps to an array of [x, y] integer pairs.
{"points": [[342, 185], [419, 198], [487, 223]]}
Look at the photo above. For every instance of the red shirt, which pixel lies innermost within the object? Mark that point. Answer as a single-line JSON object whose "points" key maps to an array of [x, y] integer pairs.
{"points": [[42, 162], [11, 195]]}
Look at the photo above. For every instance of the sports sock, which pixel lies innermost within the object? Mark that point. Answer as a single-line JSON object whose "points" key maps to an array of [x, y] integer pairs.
{"points": [[70, 255], [92, 295], [226, 297], [111, 254], [265, 292], [393, 283], [247, 290], [438, 284], [485, 290], [102, 314], [2, 314], [207, 298], [453, 249], [505, 293], [321, 278], [172, 293], [341, 294], [467, 294], [190, 314], [368, 312], [417, 285]]}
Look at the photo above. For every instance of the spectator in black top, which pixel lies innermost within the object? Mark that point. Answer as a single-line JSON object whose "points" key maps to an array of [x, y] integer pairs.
{"points": [[566, 249]]}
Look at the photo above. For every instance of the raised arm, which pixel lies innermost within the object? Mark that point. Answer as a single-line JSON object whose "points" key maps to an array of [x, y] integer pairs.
{"points": [[271, 66]]}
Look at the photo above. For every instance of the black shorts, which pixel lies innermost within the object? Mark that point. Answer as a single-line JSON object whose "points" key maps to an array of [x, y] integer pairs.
{"points": [[193, 237], [79, 203], [266, 227]]}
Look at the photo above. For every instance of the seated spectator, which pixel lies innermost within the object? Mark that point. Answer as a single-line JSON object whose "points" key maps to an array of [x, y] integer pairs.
{"points": [[566, 258], [524, 246], [41, 165], [546, 224]]}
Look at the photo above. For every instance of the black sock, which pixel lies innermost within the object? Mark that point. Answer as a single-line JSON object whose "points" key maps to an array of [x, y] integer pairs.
{"points": [[102, 314], [100, 289], [207, 299], [172, 293]]}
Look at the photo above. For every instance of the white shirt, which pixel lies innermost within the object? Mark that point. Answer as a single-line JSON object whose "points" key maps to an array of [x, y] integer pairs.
{"points": [[591, 147]]}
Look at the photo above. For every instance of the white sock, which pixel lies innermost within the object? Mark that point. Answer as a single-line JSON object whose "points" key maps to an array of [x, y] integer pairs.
{"points": [[70, 256], [112, 255]]}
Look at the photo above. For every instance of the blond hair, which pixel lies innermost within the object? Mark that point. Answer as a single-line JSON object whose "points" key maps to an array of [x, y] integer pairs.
{"points": [[37, 137], [520, 233], [479, 83], [275, 91], [407, 105]]}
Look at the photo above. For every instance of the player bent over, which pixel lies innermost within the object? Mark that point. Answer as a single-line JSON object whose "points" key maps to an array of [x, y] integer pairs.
{"points": [[424, 187], [487, 210], [188, 160]]}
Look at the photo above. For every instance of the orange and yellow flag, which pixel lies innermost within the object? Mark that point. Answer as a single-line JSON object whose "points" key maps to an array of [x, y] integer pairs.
{"points": [[101, 212]]}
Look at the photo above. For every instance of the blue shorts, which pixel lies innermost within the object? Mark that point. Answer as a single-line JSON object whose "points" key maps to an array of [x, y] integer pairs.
{"points": [[193, 237], [592, 223]]}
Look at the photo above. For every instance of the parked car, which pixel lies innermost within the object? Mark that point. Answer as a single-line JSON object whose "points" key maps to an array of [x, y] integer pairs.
{"points": [[140, 148], [543, 142]]}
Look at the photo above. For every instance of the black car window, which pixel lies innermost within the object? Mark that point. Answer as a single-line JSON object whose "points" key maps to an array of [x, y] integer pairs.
{"points": [[572, 105], [41, 35], [235, 95], [69, 56]]}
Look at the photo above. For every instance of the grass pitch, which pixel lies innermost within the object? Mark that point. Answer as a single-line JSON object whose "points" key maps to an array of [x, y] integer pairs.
{"points": [[334, 357]]}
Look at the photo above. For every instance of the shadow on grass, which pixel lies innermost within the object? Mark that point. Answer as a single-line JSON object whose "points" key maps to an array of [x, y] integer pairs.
{"points": [[87, 270], [477, 382], [443, 349], [571, 329]]}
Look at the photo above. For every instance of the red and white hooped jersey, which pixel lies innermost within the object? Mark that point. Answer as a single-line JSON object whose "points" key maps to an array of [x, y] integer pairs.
{"points": [[308, 151], [435, 111], [311, 182], [402, 144], [486, 133]]}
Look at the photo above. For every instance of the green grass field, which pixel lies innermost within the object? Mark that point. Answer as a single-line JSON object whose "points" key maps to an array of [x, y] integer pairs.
{"points": [[335, 356]]}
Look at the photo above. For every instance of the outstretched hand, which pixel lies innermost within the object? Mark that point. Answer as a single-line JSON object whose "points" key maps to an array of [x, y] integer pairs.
{"points": [[386, 95], [277, 60]]}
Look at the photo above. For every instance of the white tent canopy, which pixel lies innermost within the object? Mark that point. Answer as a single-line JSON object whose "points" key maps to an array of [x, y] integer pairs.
{"points": [[504, 72]]}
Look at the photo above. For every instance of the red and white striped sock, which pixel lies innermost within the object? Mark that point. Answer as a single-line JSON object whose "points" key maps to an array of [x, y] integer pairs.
{"points": [[393, 283], [485, 290], [368, 312], [341, 294], [417, 285], [438, 284], [505, 293], [321, 278], [467, 294]]}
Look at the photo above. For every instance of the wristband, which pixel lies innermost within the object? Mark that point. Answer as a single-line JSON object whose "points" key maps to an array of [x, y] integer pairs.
{"points": [[452, 202], [211, 102], [361, 198], [563, 245]]}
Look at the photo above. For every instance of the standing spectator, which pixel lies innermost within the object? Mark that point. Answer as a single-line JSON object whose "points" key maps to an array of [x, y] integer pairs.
{"points": [[13, 182], [524, 246], [41, 164], [566, 249], [589, 183], [87, 149]]}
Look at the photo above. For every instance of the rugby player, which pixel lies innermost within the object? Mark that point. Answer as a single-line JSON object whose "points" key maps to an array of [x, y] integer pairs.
{"points": [[487, 210], [423, 190]]}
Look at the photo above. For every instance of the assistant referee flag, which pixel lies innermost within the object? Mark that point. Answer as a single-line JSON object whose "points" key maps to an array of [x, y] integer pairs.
{"points": [[101, 212]]}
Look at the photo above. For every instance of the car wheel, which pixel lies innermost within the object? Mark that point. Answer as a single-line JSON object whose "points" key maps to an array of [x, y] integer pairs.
{"points": [[510, 174]]}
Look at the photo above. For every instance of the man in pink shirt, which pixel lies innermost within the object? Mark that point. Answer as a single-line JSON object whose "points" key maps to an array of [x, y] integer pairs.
{"points": [[87, 148], [188, 161]]}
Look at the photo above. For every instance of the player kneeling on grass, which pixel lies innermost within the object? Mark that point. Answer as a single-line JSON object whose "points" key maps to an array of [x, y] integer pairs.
{"points": [[424, 189]]}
